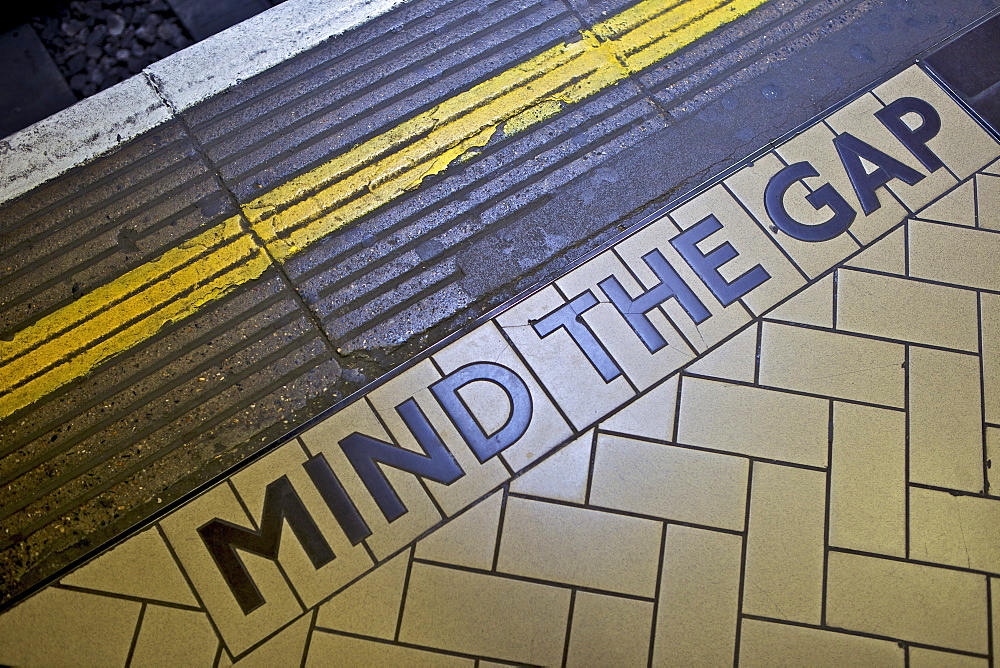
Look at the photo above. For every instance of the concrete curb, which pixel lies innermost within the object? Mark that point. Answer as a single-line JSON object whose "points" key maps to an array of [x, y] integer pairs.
{"points": [[105, 121]]}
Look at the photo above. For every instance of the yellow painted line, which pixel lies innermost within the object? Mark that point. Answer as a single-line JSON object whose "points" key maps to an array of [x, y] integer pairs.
{"points": [[310, 207], [72, 341]]}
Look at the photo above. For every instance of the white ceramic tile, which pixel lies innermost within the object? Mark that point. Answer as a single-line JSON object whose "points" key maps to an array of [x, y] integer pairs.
{"points": [[59, 627], [609, 631], [563, 476], [467, 540], [674, 483], [140, 567], [906, 310], [485, 615], [770, 644], [868, 480], [785, 544], [370, 606], [698, 613], [812, 306], [945, 414], [736, 359], [833, 365], [922, 604], [753, 421], [651, 415], [956, 255], [578, 546]]}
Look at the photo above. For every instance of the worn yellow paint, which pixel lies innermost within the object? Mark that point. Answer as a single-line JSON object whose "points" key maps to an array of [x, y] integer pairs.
{"points": [[70, 342], [310, 207], [75, 339], [532, 116]]}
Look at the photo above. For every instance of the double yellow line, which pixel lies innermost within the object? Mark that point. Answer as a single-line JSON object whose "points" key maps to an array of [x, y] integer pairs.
{"points": [[72, 341]]}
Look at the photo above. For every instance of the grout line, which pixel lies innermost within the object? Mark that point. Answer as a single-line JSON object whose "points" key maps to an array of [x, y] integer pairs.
{"points": [[569, 627], [906, 248], [781, 390], [874, 337], [219, 651], [990, 620], [677, 408], [912, 560], [190, 584], [906, 452], [591, 465], [500, 522], [975, 200], [946, 490], [628, 513], [127, 597], [404, 595], [862, 634], [135, 636], [422, 648], [758, 352], [743, 566], [716, 451], [656, 597], [524, 578], [836, 295], [309, 636], [982, 394], [826, 519]]}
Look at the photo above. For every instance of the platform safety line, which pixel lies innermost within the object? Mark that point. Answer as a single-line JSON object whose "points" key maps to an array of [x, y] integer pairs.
{"points": [[310, 207], [70, 342]]}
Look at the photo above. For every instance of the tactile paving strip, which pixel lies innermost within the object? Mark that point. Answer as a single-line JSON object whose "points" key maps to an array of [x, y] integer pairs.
{"points": [[759, 428]]}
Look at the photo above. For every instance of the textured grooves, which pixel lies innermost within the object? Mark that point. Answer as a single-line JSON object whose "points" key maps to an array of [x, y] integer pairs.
{"points": [[31, 209], [388, 262], [350, 115], [94, 456], [102, 233], [378, 83], [468, 220], [720, 55]]}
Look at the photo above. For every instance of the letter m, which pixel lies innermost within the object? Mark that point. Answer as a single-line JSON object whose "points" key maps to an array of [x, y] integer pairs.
{"points": [[223, 538], [366, 454]]}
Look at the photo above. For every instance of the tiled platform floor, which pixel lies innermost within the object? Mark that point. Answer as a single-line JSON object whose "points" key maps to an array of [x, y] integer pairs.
{"points": [[800, 478]]}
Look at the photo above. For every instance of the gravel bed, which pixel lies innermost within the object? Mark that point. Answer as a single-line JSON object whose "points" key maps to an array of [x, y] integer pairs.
{"points": [[98, 43]]}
